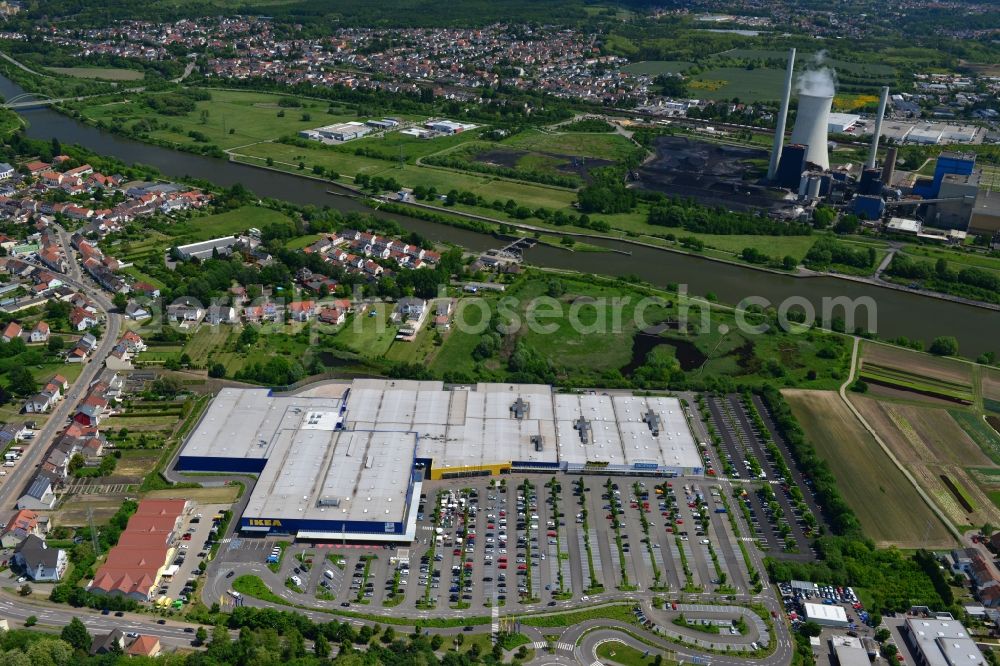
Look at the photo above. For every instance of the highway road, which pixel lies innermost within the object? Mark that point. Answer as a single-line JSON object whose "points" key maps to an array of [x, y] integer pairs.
{"points": [[16, 610]]}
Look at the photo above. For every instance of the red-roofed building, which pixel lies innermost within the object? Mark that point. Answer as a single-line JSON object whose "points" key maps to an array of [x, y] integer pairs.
{"points": [[135, 564], [37, 167], [24, 523], [144, 646], [12, 331]]}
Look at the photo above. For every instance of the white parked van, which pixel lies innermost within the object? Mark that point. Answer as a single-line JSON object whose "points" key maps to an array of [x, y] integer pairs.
{"points": [[328, 574]]}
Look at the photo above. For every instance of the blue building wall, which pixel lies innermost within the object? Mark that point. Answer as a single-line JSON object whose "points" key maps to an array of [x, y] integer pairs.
{"points": [[945, 165], [210, 464], [347, 527]]}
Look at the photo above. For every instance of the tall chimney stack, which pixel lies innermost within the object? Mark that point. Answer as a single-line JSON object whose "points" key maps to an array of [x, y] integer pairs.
{"points": [[878, 127], [889, 165], [779, 128]]}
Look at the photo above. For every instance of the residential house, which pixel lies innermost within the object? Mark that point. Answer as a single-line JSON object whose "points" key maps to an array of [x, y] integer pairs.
{"points": [[410, 309], [37, 167], [185, 312], [301, 311], [442, 313], [113, 642], [84, 346], [221, 314], [40, 333], [332, 316], [39, 403], [92, 409], [136, 312], [145, 289], [6, 171], [24, 524], [39, 496], [11, 331], [82, 319], [144, 646], [133, 342], [12, 432], [39, 562], [120, 358]]}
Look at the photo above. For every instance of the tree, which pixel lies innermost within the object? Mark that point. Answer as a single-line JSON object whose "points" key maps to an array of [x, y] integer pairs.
{"points": [[944, 345], [882, 635], [201, 635], [24, 590], [217, 370], [120, 300], [811, 629], [31, 621], [321, 647], [22, 382], [437, 640], [76, 634], [56, 344]]}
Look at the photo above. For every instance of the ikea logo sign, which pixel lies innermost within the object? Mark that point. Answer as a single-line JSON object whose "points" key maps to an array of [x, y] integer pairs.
{"points": [[264, 522]]}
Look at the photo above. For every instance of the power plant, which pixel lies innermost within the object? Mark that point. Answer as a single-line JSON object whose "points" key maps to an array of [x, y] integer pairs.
{"points": [[952, 202]]}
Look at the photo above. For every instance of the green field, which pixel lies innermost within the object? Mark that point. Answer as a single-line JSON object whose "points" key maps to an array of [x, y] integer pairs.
{"points": [[865, 69], [957, 259], [886, 503], [591, 339], [909, 381], [578, 144], [657, 67], [235, 118], [197, 228], [367, 335], [619, 653], [411, 175], [395, 145], [756, 85], [107, 73]]}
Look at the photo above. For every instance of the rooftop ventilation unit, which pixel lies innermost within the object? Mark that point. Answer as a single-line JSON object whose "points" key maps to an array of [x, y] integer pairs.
{"points": [[536, 441], [519, 409], [582, 426], [652, 420], [328, 501]]}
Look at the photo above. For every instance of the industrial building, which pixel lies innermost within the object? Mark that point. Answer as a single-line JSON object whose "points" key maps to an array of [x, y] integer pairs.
{"points": [[448, 126], [941, 643], [350, 466], [338, 133], [985, 217], [849, 651], [826, 615], [838, 123]]}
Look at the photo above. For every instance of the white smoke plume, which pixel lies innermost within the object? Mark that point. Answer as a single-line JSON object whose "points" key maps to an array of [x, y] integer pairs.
{"points": [[817, 79]]}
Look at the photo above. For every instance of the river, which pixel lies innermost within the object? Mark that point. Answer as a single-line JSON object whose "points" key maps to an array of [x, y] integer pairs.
{"points": [[898, 313]]}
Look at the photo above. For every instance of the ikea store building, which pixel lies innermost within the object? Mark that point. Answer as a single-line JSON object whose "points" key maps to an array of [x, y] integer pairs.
{"points": [[345, 461]]}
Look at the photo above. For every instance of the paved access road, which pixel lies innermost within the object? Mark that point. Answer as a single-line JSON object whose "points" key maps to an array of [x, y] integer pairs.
{"points": [[22, 475], [16, 610]]}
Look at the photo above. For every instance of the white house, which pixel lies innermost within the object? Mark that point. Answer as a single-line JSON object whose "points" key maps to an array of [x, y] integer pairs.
{"points": [[6, 171], [39, 562], [40, 333]]}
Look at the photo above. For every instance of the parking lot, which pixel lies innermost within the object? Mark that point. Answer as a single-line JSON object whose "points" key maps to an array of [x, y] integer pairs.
{"points": [[777, 520], [191, 546], [520, 542]]}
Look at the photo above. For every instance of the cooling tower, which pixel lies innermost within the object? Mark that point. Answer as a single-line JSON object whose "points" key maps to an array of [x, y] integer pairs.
{"points": [[811, 123], [779, 128]]}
